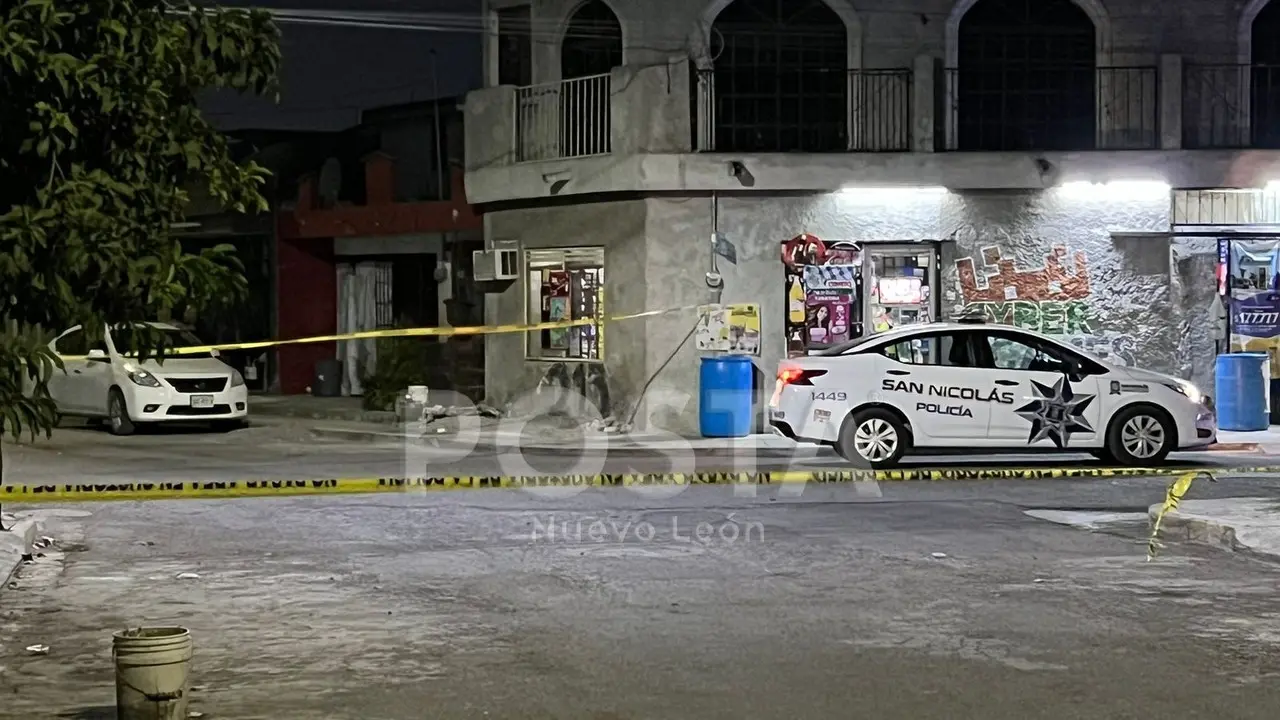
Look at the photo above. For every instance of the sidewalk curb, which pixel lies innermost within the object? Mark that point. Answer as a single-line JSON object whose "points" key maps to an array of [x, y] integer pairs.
{"points": [[1235, 447], [1196, 530], [16, 543], [623, 448]]}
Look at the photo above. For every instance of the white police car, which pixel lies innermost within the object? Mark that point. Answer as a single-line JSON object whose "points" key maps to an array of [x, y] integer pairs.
{"points": [[970, 386]]}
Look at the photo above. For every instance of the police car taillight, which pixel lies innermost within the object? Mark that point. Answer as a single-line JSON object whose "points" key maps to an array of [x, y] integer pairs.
{"points": [[794, 375]]}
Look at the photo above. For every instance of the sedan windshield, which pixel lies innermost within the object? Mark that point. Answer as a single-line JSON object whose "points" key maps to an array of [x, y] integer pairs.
{"points": [[172, 337]]}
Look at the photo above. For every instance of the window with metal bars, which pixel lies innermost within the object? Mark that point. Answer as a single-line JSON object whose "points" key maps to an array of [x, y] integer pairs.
{"points": [[1264, 78], [1025, 77], [780, 77]]}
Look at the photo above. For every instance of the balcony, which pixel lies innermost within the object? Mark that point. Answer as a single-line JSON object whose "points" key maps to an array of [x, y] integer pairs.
{"points": [[1044, 108], [1231, 106], [745, 110], [564, 119]]}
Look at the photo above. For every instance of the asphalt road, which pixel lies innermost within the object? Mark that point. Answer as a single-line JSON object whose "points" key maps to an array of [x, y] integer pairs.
{"points": [[923, 600]]}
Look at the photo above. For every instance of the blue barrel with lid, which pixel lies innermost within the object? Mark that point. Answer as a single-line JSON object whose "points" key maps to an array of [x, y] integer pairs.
{"points": [[725, 396], [1240, 392]]}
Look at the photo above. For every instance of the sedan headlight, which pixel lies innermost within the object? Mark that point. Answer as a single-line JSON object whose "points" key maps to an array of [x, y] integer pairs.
{"points": [[236, 378], [1183, 387], [143, 378]]}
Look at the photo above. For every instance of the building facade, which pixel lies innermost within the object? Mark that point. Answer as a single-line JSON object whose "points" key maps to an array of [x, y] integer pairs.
{"points": [[1071, 166], [379, 235]]}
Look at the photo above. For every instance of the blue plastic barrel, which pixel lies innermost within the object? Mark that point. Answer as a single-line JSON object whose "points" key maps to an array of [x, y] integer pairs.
{"points": [[1239, 392], [725, 396]]}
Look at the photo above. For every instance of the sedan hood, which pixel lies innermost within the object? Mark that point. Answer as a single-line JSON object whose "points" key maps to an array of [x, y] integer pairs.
{"points": [[1149, 376], [185, 366]]}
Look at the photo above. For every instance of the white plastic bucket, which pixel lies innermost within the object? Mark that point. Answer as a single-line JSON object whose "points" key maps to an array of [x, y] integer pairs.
{"points": [[418, 394], [152, 669]]}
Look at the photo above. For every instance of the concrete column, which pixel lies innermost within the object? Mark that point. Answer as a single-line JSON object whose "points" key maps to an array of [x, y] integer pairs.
{"points": [[924, 103], [489, 127], [650, 108], [1170, 102]]}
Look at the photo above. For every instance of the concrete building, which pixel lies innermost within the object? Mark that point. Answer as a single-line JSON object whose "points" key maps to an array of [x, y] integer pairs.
{"points": [[1066, 165]]}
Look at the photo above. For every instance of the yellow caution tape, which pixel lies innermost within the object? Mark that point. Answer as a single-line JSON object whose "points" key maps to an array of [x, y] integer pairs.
{"points": [[1172, 498], [411, 332], [90, 491]]}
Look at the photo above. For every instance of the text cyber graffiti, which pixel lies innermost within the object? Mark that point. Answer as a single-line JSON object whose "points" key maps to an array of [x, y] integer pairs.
{"points": [[950, 392]]}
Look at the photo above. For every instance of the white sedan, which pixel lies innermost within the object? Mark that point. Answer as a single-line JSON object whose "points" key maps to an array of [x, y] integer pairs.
{"points": [[988, 388], [104, 379]]}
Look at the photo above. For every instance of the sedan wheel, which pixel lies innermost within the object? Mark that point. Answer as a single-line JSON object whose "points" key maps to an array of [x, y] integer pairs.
{"points": [[1143, 437], [118, 414], [875, 440], [874, 437]]}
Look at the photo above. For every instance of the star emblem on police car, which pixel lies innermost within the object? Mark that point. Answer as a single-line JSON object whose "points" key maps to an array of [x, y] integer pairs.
{"points": [[1055, 413]]}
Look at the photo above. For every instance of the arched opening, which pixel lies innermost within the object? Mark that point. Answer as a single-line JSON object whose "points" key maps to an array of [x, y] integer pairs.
{"points": [[1025, 76], [1264, 81], [591, 48], [780, 77], [592, 42]]}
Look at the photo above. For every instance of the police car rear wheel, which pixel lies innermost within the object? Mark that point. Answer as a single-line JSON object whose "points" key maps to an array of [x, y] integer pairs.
{"points": [[1140, 436], [873, 438]]}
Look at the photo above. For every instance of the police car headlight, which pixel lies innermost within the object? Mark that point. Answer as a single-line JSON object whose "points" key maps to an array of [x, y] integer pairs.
{"points": [[1183, 387]]}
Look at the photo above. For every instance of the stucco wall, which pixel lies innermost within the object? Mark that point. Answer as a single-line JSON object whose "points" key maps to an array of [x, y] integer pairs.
{"points": [[618, 227], [1123, 290]]}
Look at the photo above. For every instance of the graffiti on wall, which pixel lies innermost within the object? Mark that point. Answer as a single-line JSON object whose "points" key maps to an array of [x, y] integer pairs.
{"points": [[1053, 299]]}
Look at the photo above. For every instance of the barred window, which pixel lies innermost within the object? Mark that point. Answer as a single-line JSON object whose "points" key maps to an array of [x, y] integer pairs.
{"points": [[566, 284]]}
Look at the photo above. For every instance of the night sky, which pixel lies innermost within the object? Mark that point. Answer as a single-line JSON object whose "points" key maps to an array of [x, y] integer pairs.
{"points": [[330, 74]]}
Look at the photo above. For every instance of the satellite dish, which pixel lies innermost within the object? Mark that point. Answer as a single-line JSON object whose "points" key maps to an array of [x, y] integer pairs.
{"points": [[330, 182]]}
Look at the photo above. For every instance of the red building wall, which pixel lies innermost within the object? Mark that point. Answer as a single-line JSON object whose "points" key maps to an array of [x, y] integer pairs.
{"points": [[306, 269], [307, 305]]}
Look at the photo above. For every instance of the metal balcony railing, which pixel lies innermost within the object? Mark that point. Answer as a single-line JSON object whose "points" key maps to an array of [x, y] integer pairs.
{"points": [[1231, 106], [1020, 107], [753, 110], [564, 119]]}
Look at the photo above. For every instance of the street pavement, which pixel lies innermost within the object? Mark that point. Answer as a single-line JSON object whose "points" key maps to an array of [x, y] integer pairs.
{"points": [[917, 600]]}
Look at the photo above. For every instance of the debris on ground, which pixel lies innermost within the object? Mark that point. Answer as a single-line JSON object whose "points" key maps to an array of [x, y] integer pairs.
{"points": [[610, 425]]}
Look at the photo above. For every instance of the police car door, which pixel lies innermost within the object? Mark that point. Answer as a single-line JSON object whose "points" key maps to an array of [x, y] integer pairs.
{"points": [[1054, 399], [933, 378]]}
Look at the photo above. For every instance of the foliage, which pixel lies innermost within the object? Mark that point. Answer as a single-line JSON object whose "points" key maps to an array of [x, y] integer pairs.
{"points": [[399, 363], [100, 136]]}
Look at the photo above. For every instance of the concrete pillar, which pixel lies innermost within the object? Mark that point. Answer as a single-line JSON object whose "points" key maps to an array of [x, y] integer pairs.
{"points": [[924, 103], [1170, 102], [489, 127], [650, 108]]}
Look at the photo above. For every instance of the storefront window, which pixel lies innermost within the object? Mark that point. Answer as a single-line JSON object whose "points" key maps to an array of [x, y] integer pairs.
{"points": [[566, 284]]}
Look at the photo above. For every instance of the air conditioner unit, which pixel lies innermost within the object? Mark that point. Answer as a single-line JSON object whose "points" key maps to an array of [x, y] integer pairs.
{"points": [[494, 265]]}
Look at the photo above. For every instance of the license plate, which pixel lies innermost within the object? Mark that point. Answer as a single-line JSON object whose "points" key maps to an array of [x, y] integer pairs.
{"points": [[201, 401]]}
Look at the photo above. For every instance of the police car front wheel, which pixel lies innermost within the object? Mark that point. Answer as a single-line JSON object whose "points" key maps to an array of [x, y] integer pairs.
{"points": [[873, 438], [1141, 436]]}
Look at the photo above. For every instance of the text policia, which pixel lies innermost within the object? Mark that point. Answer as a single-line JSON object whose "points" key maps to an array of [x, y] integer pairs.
{"points": [[949, 392]]}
